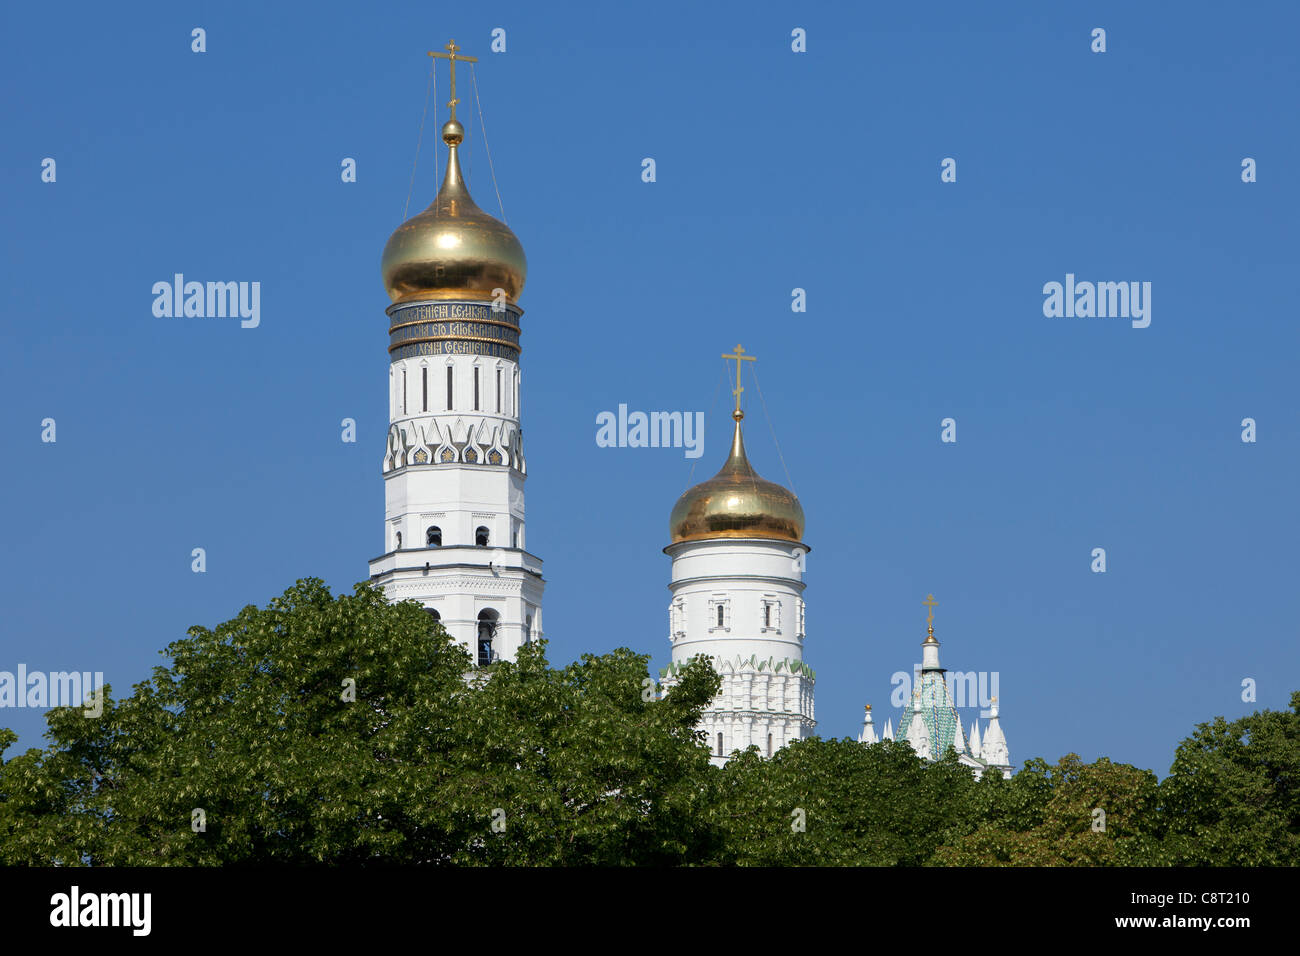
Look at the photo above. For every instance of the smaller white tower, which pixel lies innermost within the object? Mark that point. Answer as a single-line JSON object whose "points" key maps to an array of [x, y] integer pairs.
{"points": [[868, 735], [919, 737], [737, 597], [930, 723], [994, 751]]}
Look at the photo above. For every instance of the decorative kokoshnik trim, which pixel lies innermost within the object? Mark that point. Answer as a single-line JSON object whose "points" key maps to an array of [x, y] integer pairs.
{"points": [[773, 666]]}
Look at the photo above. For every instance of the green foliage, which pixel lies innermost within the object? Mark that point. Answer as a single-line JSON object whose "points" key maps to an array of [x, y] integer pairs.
{"points": [[252, 726], [1073, 814], [1232, 797], [350, 731], [857, 805], [579, 768]]}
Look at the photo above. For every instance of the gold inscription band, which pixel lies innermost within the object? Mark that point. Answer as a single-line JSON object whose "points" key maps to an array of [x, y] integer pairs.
{"points": [[455, 346], [453, 328], [469, 332], [427, 311], [514, 326]]}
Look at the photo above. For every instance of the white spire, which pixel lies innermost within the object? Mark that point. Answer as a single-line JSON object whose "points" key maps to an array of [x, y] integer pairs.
{"points": [[994, 750], [958, 743], [918, 735], [888, 733], [930, 646], [868, 735], [974, 738], [930, 652]]}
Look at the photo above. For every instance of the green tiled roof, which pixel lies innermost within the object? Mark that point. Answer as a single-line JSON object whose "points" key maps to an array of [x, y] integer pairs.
{"points": [[932, 704]]}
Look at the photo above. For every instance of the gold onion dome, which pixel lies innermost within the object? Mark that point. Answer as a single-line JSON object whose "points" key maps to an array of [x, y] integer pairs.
{"points": [[453, 249], [737, 503]]}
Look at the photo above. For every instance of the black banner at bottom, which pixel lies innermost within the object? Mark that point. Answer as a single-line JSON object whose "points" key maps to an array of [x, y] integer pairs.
{"points": [[334, 904]]}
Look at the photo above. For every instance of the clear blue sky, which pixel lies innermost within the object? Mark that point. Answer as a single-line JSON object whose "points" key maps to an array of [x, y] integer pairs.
{"points": [[775, 170]]}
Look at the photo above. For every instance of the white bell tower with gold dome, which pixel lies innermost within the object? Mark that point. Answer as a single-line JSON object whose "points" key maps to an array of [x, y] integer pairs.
{"points": [[454, 467], [737, 597]]}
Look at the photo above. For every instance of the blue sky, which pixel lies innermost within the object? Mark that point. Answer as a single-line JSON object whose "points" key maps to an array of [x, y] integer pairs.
{"points": [[775, 170]]}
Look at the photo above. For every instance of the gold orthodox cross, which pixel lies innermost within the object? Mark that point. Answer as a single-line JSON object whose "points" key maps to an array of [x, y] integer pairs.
{"points": [[451, 56], [930, 602], [740, 356]]}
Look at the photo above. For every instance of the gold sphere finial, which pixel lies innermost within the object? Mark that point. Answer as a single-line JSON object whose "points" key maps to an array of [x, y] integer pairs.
{"points": [[453, 134], [738, 415]]}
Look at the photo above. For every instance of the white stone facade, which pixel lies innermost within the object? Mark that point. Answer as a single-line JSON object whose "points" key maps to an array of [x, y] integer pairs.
{"points": [[740, 601], [455, 537]]}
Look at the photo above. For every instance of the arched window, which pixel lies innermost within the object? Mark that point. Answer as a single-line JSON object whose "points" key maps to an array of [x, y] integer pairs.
{"points": [[528, 628], [719, 743], [433, 537], [487, 631], [434, 616], [481, 536], [767, 615], [721, 609], [769, 745], [399, 541]]}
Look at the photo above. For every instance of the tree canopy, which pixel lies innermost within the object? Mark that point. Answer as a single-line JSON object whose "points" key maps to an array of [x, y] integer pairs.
{"points": [[346, 730]]}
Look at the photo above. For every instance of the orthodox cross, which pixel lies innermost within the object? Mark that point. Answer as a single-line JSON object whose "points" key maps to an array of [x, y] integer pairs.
{"points": [[452, 57], [740, 356], [931, 603]]}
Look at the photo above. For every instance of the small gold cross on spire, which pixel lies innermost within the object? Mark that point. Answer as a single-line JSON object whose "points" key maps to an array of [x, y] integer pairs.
{"points": [[740, 356], [931, 603], [452, 56]]}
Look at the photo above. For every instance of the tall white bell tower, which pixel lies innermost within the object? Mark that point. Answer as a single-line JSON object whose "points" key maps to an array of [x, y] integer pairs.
{"points": [[454, 468]]}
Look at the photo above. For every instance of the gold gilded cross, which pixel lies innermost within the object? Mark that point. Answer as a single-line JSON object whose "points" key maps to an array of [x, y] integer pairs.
{"points": [[740, 356], [931, 603], [451, 56]]}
